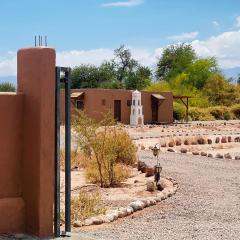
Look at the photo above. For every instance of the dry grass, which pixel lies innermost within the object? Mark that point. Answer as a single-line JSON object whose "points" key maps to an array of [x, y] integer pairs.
{"points": [[85, 205], [77, 159]]}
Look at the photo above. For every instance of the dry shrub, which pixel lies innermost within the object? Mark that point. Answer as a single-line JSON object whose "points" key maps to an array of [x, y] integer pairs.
{"points": [[77, 159], [200, 114], [108, 149], [85, 205]]}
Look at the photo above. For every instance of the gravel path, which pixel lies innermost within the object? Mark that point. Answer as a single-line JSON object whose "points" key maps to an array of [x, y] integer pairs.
{"points": [[206, 206]]}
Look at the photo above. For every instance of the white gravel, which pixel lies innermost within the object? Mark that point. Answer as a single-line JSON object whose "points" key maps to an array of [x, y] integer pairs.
{"points": [[206, 206]]}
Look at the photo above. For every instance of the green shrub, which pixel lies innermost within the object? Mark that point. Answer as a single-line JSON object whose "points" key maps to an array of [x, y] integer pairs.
{"points": [[200, 114], [221, 113], [7, 87], [235, 109], [179, 111]]}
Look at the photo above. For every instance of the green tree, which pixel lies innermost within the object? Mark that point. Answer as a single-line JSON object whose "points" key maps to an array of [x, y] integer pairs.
{"points": [[7, 87], [199, 71], [175, 60], [220, 91], [124, 63]]}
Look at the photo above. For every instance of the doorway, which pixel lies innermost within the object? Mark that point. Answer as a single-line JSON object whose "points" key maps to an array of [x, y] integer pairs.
{"points": [[154, 110], [117, 110]]}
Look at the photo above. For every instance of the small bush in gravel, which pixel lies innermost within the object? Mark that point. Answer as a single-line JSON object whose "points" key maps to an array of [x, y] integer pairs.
{"points": [[85, 205], [108, 147]]}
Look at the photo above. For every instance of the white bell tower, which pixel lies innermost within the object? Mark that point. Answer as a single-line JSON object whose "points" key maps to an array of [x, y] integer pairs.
{"points": [[136, 117]]}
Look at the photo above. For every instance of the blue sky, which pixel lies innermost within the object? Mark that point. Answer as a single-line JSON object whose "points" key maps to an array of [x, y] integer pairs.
{"points": [[88, 30]]}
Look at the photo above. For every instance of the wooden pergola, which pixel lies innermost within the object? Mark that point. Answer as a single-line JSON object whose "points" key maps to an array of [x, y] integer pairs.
{"points": [[185, 101]]}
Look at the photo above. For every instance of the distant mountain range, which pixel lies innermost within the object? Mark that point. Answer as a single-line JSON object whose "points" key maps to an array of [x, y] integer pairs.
{"points": [[230, 72]]}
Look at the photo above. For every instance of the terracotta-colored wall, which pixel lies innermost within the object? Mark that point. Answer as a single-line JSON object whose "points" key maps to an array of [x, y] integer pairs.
{"points": [[12, 218], [36, 80], [27, 146], [94, 108]]}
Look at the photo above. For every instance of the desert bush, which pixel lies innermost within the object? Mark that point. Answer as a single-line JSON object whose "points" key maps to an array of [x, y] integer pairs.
{"points": [[77, 159], [107, 147], [221, 113], [235, 109], [200, 114], [179, 111], [85, 205]]}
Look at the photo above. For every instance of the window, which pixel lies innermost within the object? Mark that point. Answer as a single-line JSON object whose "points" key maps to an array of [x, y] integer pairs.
{"points": [[138, 102], [133, 102], [133, 111], [129, 103], [104, 102], [79, 104]]}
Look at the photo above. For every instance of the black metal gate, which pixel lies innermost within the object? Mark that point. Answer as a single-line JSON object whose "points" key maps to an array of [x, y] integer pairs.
{"points": [[65, 81]]}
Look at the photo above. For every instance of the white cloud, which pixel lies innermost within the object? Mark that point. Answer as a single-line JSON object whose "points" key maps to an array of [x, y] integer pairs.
{"points": [[184, 36], [215, 24], [237, 22], [8, 67], [127, 3], [225, 47]]}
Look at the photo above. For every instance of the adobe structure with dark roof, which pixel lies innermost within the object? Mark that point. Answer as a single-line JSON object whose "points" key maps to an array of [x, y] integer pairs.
{"points": [[157, 106]]}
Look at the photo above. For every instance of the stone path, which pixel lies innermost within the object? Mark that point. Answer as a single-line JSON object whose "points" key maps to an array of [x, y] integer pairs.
{"points": [[206, 206]]}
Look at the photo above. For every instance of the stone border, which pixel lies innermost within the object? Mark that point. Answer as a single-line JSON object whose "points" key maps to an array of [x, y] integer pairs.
{"points": [[139, 204]]}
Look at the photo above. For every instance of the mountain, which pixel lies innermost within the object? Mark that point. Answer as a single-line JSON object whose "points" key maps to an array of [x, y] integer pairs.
{"points": [[10, 79], [232, 72]]}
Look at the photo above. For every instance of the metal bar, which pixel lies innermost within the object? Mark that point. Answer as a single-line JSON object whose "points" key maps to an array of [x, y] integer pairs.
{"points": [[57, 156], [67, 152]]}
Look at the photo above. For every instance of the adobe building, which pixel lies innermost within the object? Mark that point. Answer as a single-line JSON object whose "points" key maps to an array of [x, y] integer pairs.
{"points": [[152, 107]]}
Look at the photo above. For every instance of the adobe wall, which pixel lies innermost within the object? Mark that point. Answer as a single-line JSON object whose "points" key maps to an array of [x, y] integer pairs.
{"points": [[27, 146], [12, 210], [165, 110], [95, 109]]}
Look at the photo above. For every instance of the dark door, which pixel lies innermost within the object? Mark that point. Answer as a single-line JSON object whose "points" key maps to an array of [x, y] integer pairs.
{"points": [[117, 110], [154, 110]]}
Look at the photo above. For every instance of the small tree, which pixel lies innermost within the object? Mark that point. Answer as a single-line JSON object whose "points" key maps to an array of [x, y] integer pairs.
{"points": [[108, 149]]}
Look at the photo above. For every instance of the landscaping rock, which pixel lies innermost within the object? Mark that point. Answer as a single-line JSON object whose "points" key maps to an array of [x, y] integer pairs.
{"points": [[170, 150], [137, 205], [210, 155], [163, 145], [183, 150], [201, 141], [237, 139], [217, 140], [142, 147], [228, 156], [209, 141], [219, 155], [150, 186], [122, 212], [237, 158], [224, 140], [178, 142], [78, 224], [171, 144], [129, 210], [88, 222], [186, 142], [142, 166], [204, 154], [195, 153], [149, 172], [229, 139]]}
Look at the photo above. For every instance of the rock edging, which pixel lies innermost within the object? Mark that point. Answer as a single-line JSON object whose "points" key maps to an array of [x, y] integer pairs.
{"points": [[137, 205]]}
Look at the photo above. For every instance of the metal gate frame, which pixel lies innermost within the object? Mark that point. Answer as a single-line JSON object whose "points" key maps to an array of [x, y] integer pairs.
{"points": [[66, 81]]}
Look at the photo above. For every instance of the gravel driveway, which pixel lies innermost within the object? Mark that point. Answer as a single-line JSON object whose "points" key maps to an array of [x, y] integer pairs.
{"points": [[206, 206]]}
